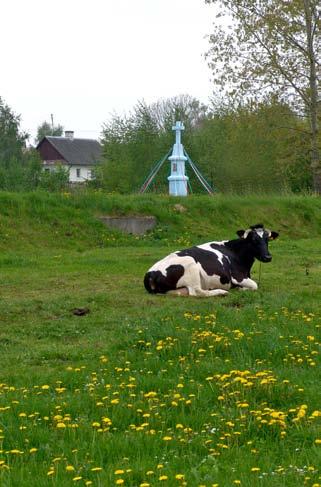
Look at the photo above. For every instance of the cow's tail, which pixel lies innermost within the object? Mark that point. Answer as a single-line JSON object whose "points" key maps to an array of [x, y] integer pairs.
{"points": [[150, 282]]}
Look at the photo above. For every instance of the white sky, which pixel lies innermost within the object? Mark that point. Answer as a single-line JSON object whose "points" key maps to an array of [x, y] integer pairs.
{"points": [[82, 60]]}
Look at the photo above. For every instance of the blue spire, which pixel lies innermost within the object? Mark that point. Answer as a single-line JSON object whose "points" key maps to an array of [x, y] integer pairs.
{"points": [[178, 181]]}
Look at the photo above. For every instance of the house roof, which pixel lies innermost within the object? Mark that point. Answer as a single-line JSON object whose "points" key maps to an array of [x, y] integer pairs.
{"points": [[81, 152]]}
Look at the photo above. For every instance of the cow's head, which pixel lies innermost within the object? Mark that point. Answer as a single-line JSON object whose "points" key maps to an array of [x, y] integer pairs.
{"points": [[258, 239]]}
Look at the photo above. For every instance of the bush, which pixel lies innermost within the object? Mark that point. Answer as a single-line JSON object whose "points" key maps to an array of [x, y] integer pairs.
{"points": [[56, 180]]}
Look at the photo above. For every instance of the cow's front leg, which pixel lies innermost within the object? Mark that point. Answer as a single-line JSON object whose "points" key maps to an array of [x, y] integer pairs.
{"points": [[197, 292], [246, 284], [182, 291], [206, 293]]}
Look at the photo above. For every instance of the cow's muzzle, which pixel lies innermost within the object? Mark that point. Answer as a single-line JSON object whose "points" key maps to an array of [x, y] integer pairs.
{"points": [[267, 258]]}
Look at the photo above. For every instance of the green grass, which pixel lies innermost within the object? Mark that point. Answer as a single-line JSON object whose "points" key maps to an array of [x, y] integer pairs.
{"points": [[156, 387]]}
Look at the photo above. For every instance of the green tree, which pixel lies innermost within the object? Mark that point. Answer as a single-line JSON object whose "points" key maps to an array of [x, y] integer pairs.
{"points": [[12, 139], [16, 166], [48, 129], [253, 148], [271, 46]]}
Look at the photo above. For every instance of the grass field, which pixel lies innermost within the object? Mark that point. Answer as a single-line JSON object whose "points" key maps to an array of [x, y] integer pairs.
{"points": [[154, 390]]}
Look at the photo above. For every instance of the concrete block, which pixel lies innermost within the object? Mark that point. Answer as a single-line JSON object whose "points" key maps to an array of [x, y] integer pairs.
{"points": [[137, 225]]}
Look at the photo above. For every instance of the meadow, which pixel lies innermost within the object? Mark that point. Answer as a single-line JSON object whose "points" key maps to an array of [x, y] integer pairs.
{"points": [[145, 390]]}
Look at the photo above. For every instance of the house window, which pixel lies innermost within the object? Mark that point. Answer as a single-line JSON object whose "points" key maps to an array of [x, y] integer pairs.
{"points": [[78, 172]]}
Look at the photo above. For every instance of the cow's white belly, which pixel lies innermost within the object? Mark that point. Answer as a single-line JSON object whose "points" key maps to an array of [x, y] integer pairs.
{"points": [[195, 276], [212, 282]]}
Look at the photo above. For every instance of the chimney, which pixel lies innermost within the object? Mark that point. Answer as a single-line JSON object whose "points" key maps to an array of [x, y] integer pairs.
{"points": [[69, 134]]}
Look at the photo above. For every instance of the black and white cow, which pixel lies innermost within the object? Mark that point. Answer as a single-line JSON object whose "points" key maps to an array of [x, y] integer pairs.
{"points": [[212, 268]]}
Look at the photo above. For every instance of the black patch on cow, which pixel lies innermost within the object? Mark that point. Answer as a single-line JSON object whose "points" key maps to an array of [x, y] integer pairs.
{"points": [[237, 260], [155, 282], [224, 279], [209, 261]]}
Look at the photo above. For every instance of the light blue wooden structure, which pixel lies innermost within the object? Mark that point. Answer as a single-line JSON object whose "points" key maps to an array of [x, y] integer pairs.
{"points": [[178, 181]]}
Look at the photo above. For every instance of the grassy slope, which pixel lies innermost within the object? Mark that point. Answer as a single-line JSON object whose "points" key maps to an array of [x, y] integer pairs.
{"points": [[36, 221], [139, 343]]}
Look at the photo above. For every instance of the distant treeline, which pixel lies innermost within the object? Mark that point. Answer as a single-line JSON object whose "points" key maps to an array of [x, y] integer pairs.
{"points": [[251, 148], [258, 147]]}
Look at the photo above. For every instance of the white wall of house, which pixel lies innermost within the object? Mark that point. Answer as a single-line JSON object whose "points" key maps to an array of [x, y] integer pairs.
{"points": [[77, 174]]}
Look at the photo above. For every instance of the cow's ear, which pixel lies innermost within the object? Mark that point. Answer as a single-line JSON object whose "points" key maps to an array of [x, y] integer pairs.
{"points": [[240, 233], [273, 235]]}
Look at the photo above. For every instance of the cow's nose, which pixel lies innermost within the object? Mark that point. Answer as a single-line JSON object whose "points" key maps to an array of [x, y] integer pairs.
{"points": [[267, 258]]}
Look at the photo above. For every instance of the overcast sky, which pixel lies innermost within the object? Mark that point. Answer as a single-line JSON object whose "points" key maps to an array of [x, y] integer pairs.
{"points": [[81, 60]]}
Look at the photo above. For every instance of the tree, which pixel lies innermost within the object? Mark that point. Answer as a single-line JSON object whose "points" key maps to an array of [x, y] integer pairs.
{"points": [[48, 129], [20, 167], [12, 139], [272, 46], [252, 149]]}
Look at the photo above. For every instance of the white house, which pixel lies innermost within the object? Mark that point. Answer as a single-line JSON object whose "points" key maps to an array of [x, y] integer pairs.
{"points": [[79, 156]]}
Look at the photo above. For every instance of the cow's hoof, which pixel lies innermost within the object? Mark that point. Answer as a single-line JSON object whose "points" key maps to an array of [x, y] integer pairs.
{"points": [[220, 292]]}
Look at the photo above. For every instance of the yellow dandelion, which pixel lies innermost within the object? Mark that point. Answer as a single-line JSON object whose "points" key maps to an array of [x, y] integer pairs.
{"points": [[33, 450], [179, 476], [96, 469], [255, 469], [70, 468], [167, 438], [163, 477], [119, 481], [61, 425], [76, 479], [106, 420], [119, 472]]}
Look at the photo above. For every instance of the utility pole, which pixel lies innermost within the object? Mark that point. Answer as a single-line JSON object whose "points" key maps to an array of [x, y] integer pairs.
{"points": [[52, 124]]}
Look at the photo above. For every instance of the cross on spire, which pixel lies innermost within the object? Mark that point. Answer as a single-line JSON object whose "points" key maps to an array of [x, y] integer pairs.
{"points": [[178, 128]]}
